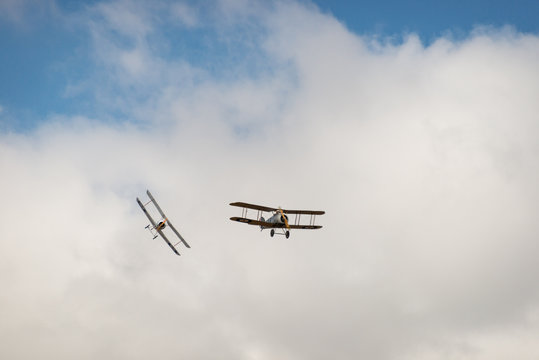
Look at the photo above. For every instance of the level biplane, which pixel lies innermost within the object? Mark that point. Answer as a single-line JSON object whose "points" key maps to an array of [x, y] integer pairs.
{"points": [[156, 228], [278, 221]]}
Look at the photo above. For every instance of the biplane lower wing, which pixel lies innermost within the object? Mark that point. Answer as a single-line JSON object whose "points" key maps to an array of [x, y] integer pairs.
{"points": [[256, 222], [146, 212], [168, 242], [305, 227], [178, 234], [274, 225]]}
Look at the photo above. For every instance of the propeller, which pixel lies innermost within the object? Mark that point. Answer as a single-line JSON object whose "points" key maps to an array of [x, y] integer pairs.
{"points": [[162, 224], [283, 216]]}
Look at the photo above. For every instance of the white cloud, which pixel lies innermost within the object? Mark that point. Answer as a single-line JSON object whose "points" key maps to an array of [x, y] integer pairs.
{"points": [[423, 157], [185, 13], [12, 9], [25, 13], [129, 18]]}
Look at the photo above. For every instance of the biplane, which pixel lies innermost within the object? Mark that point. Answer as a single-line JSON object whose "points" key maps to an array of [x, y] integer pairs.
{"points": [[156, 228], [278, 222]]}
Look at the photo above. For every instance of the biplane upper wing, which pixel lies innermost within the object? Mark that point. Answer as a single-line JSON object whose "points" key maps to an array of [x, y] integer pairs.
{"points": [[266, 208], [156, 205], [304, 212], [178, 234], [168, 242], [146, 212], [252, 206], [256, 222]]}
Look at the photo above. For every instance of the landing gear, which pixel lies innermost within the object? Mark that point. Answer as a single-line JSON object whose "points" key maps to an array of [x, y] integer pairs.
{"points": [[280, 232]]}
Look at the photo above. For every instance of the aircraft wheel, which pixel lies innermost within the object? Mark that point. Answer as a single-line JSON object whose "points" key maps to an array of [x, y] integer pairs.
{"points": [[272, 232], [287, 234]]}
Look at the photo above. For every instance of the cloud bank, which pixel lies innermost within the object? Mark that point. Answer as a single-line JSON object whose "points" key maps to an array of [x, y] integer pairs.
{"points": [[424, 159]]}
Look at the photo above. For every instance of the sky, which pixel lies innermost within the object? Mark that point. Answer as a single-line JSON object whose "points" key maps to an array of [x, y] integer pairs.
{"points": [[413, 125]]}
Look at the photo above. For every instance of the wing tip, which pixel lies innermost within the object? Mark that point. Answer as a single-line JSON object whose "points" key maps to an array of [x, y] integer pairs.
{"points": [[174, 249]]}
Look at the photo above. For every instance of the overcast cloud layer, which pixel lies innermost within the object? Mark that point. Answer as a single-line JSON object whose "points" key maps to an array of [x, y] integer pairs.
{"points": [[424, 159]]}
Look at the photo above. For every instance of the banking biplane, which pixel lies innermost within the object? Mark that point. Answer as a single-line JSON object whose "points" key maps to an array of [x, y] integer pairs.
{"points": [[278, 221], [156, 228]]}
